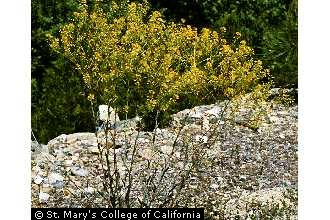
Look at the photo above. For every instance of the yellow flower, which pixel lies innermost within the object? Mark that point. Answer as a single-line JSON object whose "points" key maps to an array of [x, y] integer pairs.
{"points": [[91, 97], [153, 63]]}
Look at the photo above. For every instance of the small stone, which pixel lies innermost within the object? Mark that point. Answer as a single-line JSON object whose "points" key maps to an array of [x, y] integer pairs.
{"points": [[89, 190], [76, 183], [43, 197], [118, 151], [158, 131], [38, 179], [206, 124], [214, 186], [93, 150], [258, 156], [79, 171], [88, 143], [59, 153], [42, 173], [196, 115], [180, 165], [202, 139], [242, 177], [147, 154], [74, 158], [36, 169], [215, 111], [34, 188], [282, 112], [166, 149], [129, 157], [76, 150], [143, 140], [56, 180], [273, 119], [71, 139], [193, 186], [46, 188], [45, 185], [68, 163]]}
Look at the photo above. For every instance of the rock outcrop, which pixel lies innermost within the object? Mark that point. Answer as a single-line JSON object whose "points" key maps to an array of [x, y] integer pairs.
{"points": [[242, 162]]}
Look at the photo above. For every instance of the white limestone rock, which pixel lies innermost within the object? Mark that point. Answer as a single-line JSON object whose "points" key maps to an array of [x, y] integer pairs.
{"points": [[56, 180], [79, 171], [201, 139], [38, 179], [107, 114], [89, 190], [166, 149], [43, 197]]}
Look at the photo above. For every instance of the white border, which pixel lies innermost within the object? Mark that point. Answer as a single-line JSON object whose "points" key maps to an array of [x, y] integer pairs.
{"points": [[15, 49], [314, 111]]}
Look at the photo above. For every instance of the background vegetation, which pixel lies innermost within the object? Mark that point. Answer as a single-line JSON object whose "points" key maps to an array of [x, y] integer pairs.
{"points": [[58, 102], [269, 26], [59, 97]]}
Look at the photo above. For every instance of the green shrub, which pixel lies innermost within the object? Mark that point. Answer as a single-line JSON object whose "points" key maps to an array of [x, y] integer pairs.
{"points": [[142, 65], [62, 106]]}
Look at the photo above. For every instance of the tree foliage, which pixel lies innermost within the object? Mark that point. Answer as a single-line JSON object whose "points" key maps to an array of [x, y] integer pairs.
{"points": [[58, 104], [280, 48], [270, 26]]}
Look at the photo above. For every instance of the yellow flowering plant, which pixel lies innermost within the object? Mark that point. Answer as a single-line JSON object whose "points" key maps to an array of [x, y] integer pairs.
{"points": [[139, 63]]}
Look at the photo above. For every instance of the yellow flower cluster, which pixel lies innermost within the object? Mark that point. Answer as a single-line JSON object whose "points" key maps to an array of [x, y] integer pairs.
{"points": [[151, 64]]}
